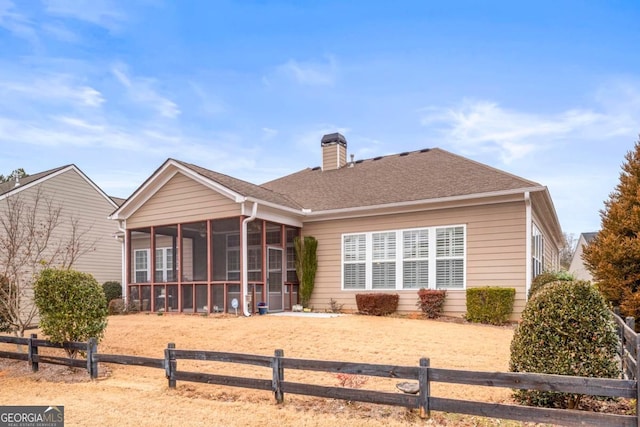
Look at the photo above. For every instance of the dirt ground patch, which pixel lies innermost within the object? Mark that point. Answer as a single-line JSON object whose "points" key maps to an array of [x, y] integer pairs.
{"points": [[135, 396]]}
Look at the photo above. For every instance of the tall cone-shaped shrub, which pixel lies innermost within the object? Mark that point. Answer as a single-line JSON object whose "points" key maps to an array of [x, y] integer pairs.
{"points": [[306, 266], [613, 256]]}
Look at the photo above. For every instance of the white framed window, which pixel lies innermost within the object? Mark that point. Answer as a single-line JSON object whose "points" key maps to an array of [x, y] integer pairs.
{"points": [[141, 266], [537, 251], [164, 265], [383, 267], [415, 263], [450, 258], [430, 257], [354, 251], [254, 257]]}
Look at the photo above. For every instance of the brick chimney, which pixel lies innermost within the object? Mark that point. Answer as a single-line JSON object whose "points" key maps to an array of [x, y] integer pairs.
{"points": [[334, 151]]}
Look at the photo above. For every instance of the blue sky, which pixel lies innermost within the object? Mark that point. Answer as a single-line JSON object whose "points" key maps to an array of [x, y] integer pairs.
{"points": [[547, 90]]}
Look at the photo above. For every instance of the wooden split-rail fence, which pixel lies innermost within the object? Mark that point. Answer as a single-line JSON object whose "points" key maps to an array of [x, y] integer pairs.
{"points": [[423, 374]]}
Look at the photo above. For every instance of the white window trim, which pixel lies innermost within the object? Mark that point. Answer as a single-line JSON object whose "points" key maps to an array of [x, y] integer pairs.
{"points": [[537, 250], [399, 260], [136, 270], [164, 270]]}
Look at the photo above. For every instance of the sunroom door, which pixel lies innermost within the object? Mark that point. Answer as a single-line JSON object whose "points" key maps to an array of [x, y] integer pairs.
{"points": [[275, 278]]}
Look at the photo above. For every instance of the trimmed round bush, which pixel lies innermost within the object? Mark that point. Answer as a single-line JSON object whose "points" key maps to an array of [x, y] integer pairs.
{"points": [[72, 306], [548, 277], [112, 290], [566, 329]]}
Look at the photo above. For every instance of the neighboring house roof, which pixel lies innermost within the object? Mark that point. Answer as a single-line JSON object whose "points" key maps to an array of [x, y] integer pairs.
{"points": [[9, 188], [588, 237], [6, 187], [418, 175], [118, 200]]}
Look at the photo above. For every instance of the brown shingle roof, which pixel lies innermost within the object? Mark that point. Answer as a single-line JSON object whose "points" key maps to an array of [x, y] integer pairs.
{"points": [[243, 187], [418, 175]]}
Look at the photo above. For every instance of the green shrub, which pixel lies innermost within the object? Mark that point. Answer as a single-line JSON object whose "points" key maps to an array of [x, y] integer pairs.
{"points": [[306, 249], [547, 277], [491, 305], [112, 290], [431, 301], [566, 329], [72, 306], [377, 304]]}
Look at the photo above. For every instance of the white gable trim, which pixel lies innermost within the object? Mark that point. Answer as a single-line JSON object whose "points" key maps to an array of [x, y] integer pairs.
{"points": [[39, 181], [167, 171]]}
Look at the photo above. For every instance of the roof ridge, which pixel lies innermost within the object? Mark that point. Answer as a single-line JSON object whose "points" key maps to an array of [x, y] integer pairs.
{"points": [[486, 166]]}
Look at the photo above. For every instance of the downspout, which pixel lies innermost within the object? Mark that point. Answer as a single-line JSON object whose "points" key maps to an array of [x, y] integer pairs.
{"points": [[123, 269], [529, 227], [245, 262]]}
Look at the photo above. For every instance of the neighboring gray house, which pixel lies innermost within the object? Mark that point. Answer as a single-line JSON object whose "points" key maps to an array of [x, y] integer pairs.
{"points": [[84, 208], [577, 267]]}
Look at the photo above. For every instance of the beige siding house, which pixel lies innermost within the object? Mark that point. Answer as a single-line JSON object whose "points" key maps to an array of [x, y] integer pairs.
{"points": [[395, 224], [83, 209], [577, 267]]}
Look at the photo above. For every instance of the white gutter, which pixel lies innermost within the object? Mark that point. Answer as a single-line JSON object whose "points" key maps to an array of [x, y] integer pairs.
{"points": [[529, 227], [245, 261], [123, 269]]}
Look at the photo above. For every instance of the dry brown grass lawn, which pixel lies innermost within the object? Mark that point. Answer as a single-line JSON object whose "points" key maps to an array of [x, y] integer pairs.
{"points": [[134, 396]]}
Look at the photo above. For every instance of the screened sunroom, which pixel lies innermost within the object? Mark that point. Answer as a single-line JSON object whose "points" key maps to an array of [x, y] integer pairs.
{"points": [[197, 267]]}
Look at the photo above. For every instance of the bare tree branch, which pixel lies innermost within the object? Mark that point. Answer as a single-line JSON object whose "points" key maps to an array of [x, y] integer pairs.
{"points": [[31, 239]]}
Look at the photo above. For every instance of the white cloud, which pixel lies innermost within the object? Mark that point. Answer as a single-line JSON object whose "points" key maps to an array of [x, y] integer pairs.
{"points": [[142, 92], [310, 73], [56, 87], [480, 126], [269, 133], [103, 13], [16, 23]]}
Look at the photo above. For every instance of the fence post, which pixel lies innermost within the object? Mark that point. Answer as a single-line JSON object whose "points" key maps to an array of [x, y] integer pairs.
{"points": [[423, 382], [170, 364], [278, 376], [637, 375], [92, 361], [33, 353]]}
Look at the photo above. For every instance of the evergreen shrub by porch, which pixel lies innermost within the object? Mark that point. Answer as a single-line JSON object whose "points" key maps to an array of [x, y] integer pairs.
{"points": [[490, 305], [72, 306], [566, 329], [112, 290], [431, 301], [377, 304], [547, 277]]}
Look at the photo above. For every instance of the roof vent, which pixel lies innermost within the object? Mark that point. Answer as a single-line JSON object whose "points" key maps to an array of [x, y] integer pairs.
{"points": [[377, 158], [317, 168], [425, 150], [352, 163], [359, 161], [16, 176], [406, 153]]}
